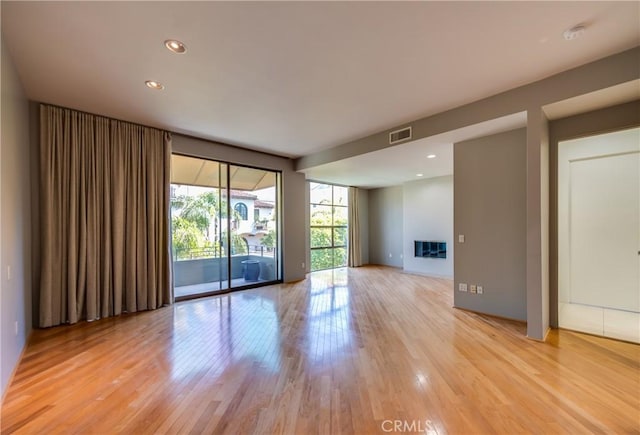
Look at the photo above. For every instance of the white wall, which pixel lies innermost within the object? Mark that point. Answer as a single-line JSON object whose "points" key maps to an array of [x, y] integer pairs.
{"points": [[15, 220], [428, 215], [244, 226], [398, 215]]}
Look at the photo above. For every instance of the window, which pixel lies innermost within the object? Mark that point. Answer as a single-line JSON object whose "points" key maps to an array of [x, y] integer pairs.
{"points": [[241, 209], [328, 226]]}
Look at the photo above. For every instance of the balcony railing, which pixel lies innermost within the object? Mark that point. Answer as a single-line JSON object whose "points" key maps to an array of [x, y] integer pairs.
{"points": [[208, 270], [213, 252]]}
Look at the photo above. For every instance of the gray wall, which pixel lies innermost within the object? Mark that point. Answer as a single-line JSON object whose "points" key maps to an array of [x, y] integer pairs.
{"points": [[385, 226], [490, 211], [537, 228], [293, 194], [15, 220], [428, 215]]}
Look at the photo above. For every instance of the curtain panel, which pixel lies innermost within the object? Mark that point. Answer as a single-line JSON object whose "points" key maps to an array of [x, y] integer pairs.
{"points": [[104, 188], [355, 255]]}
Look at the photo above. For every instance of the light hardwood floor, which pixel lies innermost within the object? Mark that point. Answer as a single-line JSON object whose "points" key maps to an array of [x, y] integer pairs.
{"points": [[364, 350]]}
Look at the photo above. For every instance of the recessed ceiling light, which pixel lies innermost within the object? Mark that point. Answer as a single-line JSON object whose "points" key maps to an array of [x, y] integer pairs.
{"points": [[431, 156], [574, 32], [154, 85], [419, 175], [175, 46]]}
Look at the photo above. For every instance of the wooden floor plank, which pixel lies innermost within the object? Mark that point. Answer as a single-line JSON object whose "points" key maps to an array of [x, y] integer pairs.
{"points": [[347, 351]]}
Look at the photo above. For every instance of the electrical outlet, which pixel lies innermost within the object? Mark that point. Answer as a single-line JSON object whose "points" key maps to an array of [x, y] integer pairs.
{"points": [[472, 288], [460, 238], [462, 287], [479, 290], [390, 255], [302, 265]]}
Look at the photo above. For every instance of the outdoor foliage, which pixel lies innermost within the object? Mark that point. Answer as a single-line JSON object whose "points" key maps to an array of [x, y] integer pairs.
{"points": [[185, 235], [269, 239], [191, 222], [328, 232], [239, 245]]}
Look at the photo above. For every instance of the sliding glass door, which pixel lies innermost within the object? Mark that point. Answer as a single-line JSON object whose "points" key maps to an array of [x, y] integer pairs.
{"points": [[224, 226]]}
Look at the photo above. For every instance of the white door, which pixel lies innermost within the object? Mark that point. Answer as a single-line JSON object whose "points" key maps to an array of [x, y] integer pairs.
{"points": [[599, 234], [605, 231]]}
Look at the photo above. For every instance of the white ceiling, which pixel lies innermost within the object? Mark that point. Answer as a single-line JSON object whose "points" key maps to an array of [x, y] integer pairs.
{"points": [[293, 78]]}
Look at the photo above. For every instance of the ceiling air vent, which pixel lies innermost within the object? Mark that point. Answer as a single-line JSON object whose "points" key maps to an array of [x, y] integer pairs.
{"points": [[399, 135]]}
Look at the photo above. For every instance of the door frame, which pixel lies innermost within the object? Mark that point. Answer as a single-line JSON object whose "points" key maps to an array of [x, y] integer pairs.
{"points": [[607, 120]]}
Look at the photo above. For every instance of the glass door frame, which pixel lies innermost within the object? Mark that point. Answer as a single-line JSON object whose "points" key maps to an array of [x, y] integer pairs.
{"points": [[224, 193]]}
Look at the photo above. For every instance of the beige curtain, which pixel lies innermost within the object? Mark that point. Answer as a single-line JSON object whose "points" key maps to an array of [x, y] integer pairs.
{"points": [[355, 257], [104, 187]]}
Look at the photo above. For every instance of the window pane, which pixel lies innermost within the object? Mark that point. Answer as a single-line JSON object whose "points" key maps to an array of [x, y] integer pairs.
{"points": [[320, 237], [321, 215], [340, 216], [339, 257], [320, 193], [328, 220], [340, 195], [321, 259], [339, 237], [253, 244]]}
